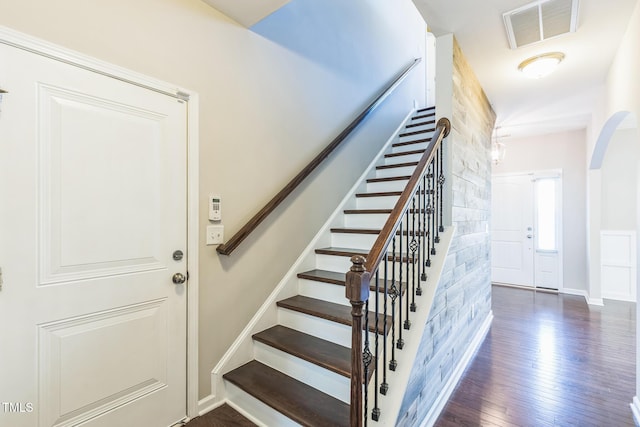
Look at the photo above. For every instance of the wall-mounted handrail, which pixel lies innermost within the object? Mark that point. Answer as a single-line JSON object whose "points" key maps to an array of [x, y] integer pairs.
{"points": [[252, 224], [415, 222]]}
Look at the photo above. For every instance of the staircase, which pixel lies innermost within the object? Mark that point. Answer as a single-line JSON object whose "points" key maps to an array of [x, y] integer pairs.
{"points": [[300, 374]]}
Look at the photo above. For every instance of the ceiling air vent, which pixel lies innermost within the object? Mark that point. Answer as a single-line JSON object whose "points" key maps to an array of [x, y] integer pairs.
{"points": [[540, 20]]}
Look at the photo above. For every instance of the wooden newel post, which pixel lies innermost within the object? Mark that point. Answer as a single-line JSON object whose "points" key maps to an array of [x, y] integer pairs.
{"points": [[357, 291]]}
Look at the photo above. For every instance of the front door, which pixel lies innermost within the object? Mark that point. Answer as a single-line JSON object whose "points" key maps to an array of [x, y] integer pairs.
{"points": [[92, 209], [512, 251], [526, 229]]}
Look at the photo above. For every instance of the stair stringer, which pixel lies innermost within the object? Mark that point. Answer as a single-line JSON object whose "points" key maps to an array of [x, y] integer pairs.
{"points": [[390, 404], [242, 350]]}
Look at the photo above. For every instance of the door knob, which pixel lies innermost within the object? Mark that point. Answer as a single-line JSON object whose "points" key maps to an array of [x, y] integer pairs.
{"points": [[529, 236], [179, 278]]}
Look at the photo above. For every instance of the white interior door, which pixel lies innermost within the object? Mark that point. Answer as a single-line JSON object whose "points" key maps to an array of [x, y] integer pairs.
{"points": [[92, 207], [526, 224], [512, 250]]}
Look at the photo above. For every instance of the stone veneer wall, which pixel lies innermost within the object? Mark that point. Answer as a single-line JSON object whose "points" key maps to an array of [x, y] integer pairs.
{"points": [[463, 298]]}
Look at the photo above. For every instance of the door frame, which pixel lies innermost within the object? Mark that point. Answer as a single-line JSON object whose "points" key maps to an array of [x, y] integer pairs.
{"points": [[542, 174], [40, 47]]}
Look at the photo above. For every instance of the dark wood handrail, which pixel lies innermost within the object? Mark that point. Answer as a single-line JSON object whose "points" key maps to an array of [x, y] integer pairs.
{"points": [[252, 224], [387, 233]]}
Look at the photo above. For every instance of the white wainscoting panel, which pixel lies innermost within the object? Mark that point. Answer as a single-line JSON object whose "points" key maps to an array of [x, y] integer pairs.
{"points": [[618, 264]]}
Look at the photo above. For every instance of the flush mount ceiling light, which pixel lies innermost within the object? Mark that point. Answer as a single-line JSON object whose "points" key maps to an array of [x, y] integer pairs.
{"points": [[539, 66]]}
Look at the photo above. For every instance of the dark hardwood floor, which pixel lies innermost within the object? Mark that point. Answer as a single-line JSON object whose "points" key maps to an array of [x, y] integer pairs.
{"points": [[549, 360], [223, 416]]}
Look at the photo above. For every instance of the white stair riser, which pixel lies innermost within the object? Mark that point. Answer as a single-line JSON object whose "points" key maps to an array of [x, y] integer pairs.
{"points": [[422, 135], [353, 240], [340, 264], [365, 220], [416, 146], [324, 291], [262, 412], [381, 202], [321, 328], [378, 187], [335, 293], [313, 375], [392, 172], [402, 159]]}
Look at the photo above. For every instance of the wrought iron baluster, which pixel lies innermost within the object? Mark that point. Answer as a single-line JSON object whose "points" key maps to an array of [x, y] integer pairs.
{"points": [[414, 248], [434, 206], [385, 385], [402, 287], [438, 203], [441, 180], [366, 359], [421, 228], [407, 260], [393, 363], [375, 412]]}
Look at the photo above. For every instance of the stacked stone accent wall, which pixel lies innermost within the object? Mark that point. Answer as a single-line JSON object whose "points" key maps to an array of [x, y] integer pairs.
{"points": [[463, 297]]}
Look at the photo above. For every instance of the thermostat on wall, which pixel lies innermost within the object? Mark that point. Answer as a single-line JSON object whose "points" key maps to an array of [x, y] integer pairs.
{"points": [[215, 207]]}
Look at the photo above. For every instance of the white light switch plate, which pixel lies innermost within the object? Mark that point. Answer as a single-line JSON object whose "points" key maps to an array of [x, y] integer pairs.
{"points": [[215, 234]]}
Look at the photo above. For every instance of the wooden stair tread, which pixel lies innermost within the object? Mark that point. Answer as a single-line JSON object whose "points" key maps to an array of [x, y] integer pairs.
{"points": [[423, 116], [424, 109], [347, 252], [355, 230], [330, 311], [413, 125], [416, 132], [298, 401], [415, 141], [380, 194], [326, 354], [352, 230], [391, 178], [398, 165], [342, 251], [404, 153], [367, 211], [339, 279]]}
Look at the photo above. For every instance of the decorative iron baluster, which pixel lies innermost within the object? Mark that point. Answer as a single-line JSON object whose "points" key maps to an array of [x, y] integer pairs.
{"points": [[366, 360], [434, 206], [375, 412], [403, 287], [385, 385], [424, 235], [414, 247], [441, 180], [428, 216], [407, 260], [438, 218], [393, 363]]}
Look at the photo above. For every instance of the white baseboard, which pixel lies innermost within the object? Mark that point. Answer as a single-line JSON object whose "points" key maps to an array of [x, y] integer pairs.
{"points": [[449, 387], [585, 294], [208, 404], [595, 301], [635, 408]]}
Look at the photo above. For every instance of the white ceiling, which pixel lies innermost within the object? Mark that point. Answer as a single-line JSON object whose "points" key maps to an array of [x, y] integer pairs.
{"points": [[246, 12], [562, 101], [565, 99]]}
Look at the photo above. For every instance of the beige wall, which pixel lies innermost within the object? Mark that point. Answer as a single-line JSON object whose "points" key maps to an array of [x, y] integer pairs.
{"points": [[265, 110]]}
